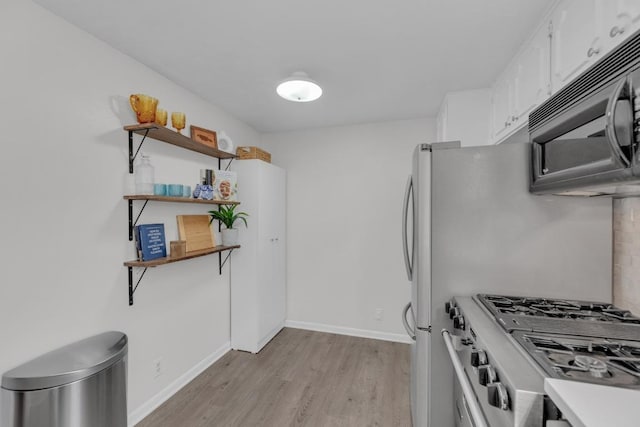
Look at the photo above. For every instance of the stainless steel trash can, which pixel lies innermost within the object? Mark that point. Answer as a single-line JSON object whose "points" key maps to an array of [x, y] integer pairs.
{"points": [[83, 384]]}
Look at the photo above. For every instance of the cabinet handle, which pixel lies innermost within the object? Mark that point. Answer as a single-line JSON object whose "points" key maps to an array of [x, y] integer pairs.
{"points": [[593, 51], [616, 31]]}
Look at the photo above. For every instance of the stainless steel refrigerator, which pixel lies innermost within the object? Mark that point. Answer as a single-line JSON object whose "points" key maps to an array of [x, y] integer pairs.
{"points": [[471, 226]]}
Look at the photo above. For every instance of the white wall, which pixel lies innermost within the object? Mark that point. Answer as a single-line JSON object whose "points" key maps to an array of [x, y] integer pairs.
{"points": [[63, 101], [345, 188], [465, 116]]}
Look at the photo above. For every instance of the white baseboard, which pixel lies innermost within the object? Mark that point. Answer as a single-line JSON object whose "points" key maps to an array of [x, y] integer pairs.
{"points": [[341, 330], [150, 405]]}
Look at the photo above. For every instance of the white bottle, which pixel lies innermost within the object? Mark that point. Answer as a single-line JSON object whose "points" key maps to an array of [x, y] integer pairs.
{"points": [[144, 176]]}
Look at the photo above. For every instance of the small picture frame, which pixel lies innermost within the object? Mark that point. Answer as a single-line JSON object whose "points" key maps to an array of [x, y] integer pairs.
{"points": [[204, 136]]}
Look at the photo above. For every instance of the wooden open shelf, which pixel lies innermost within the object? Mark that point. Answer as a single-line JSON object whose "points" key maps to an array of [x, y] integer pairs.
{"points": [[178, 199], [189, 255], [161, 133]]}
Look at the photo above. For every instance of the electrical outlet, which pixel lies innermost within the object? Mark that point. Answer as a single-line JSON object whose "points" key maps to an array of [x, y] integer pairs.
{"points": [[379, 314], [157, 367]]}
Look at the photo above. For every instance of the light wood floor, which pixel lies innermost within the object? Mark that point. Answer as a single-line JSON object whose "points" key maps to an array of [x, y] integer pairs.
{"points": [[301, 378]]}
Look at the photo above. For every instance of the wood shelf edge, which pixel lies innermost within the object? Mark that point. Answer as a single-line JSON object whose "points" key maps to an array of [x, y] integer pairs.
{"points": [[164, 134], [178, 199], [189, 255]]}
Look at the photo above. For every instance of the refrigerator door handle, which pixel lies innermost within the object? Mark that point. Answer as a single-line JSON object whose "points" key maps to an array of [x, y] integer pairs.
{"points": [[467, 391], [405, 322], [405, 213]]}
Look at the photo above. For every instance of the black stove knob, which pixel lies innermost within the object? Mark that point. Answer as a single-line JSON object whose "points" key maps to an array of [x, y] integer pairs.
{"points": [[448, 306], [497, 396], [453, 312], [487, 375], [466, 341], [478, 358], [458, 322]]}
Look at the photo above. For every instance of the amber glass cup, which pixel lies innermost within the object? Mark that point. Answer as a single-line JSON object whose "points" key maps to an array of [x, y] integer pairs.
{"points": [[178, 120], [161, 117]]}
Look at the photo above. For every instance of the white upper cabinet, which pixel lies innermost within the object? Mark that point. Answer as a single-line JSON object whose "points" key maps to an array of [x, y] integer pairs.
{"points": [[578, 27], [502, 106], [585, 30], [621, 19], [522, 87], [532, 76], [572, 36]]}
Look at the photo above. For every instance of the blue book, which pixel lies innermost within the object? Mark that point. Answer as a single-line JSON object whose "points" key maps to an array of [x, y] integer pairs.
{"points": [[150, 241]]}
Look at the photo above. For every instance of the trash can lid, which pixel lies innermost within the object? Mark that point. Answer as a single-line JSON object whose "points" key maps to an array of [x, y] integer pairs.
{"points": [[67, 364]]}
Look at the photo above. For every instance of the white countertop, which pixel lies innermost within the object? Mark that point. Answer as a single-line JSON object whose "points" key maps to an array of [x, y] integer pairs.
{"points": [[591, 405]]}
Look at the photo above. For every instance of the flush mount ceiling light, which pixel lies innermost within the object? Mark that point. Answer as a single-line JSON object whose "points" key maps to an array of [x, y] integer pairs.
{"points": [[299, 88]]}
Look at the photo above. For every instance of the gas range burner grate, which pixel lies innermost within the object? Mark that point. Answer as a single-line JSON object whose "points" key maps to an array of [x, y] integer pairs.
{"points": [[558, 309], [598, 361]]}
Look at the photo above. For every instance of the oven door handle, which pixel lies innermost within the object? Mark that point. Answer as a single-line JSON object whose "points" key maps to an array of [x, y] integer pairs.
{"points": [[610, 123], [474, 406]]}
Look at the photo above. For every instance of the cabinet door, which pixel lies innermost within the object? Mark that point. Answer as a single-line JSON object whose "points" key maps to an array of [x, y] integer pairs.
{"points": [[620, 21], [577, 38], [280, 252], [533, 74], [271, 255], [502, 106]]}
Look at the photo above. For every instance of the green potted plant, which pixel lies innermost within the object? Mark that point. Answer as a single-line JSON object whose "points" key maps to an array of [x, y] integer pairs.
{"points": [[227, 215]]}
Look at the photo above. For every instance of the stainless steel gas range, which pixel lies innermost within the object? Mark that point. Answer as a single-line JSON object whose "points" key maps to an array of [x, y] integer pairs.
{"points": [[504, 347]]}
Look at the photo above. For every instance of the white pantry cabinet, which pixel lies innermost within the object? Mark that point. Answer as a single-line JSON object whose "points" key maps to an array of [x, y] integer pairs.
{"points": [[464, 117], [258, 281]]}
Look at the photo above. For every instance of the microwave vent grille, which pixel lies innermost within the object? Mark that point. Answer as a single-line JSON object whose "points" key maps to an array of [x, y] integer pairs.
{"points": [[613, 65]]}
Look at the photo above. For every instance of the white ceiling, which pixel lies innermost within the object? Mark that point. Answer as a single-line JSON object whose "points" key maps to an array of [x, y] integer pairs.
{"points": [[375, 59]]}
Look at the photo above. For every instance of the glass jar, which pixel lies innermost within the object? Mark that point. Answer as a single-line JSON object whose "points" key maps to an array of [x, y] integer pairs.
{"points": [[144, 176]]}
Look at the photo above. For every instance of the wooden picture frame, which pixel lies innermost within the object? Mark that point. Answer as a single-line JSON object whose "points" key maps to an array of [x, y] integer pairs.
{"points": [[204, 136]]}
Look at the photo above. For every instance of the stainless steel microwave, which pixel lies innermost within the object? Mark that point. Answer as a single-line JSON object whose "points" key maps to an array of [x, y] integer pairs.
{"points": [[585, 138]]}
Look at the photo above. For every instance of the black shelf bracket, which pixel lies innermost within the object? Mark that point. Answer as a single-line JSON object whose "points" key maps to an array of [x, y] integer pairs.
{"points": [[221, 263], [133, 223], [132, 156], [132, 289], [228, 164]]}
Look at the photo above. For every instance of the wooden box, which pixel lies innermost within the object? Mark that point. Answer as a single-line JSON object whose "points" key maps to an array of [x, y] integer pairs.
{"points": [[178, 248], [247, 153]]}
